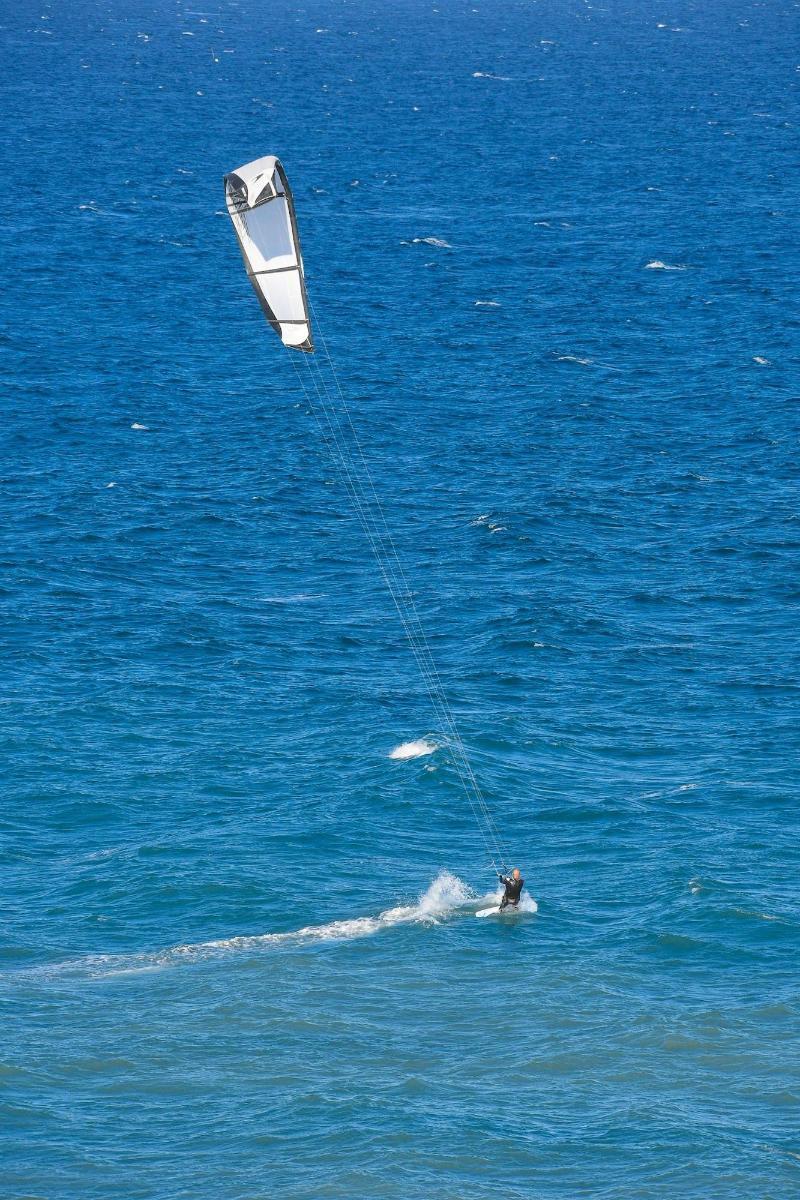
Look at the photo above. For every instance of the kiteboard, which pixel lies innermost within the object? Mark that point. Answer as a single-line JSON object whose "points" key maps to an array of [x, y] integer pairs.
{"points": [[510, 910]]}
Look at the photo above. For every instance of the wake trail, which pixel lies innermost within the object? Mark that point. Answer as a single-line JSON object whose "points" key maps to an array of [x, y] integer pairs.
{"points": [[446, 897]]}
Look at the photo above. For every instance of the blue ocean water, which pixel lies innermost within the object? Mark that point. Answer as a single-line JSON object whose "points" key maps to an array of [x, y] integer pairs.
{"points": [[553, 250]]}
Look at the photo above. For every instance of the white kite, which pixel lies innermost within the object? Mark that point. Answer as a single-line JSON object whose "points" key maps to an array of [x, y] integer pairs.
{"points": [[260, 204]]}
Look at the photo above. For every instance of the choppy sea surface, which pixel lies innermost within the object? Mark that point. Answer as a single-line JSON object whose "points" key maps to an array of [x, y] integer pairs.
{"points": [[552, 248]]}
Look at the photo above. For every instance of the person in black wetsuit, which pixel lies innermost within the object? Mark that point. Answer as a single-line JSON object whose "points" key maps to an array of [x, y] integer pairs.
{"points": [[514, 883]]}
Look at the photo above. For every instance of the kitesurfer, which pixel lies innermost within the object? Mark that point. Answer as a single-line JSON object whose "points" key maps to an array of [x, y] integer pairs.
{"points": [[514, 883]]}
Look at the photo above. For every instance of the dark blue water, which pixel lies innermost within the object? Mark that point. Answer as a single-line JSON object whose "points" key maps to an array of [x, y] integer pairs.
{"points": [[582, 418]]}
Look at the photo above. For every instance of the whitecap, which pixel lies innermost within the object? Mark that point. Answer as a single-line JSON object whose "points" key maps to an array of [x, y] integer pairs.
{"points": [[658, 265], [760, 916], [762, 362], [584, 362], [488, 304], [431, 241], [295, 598], [136, 425], [415, 749], [96, 855]]}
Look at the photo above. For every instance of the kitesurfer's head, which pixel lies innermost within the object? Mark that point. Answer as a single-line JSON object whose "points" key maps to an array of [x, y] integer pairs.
{"points": [[515, 872]]}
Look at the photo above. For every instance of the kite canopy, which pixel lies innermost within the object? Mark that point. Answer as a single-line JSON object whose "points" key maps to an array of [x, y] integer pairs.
{"points": [[260, 204]]}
